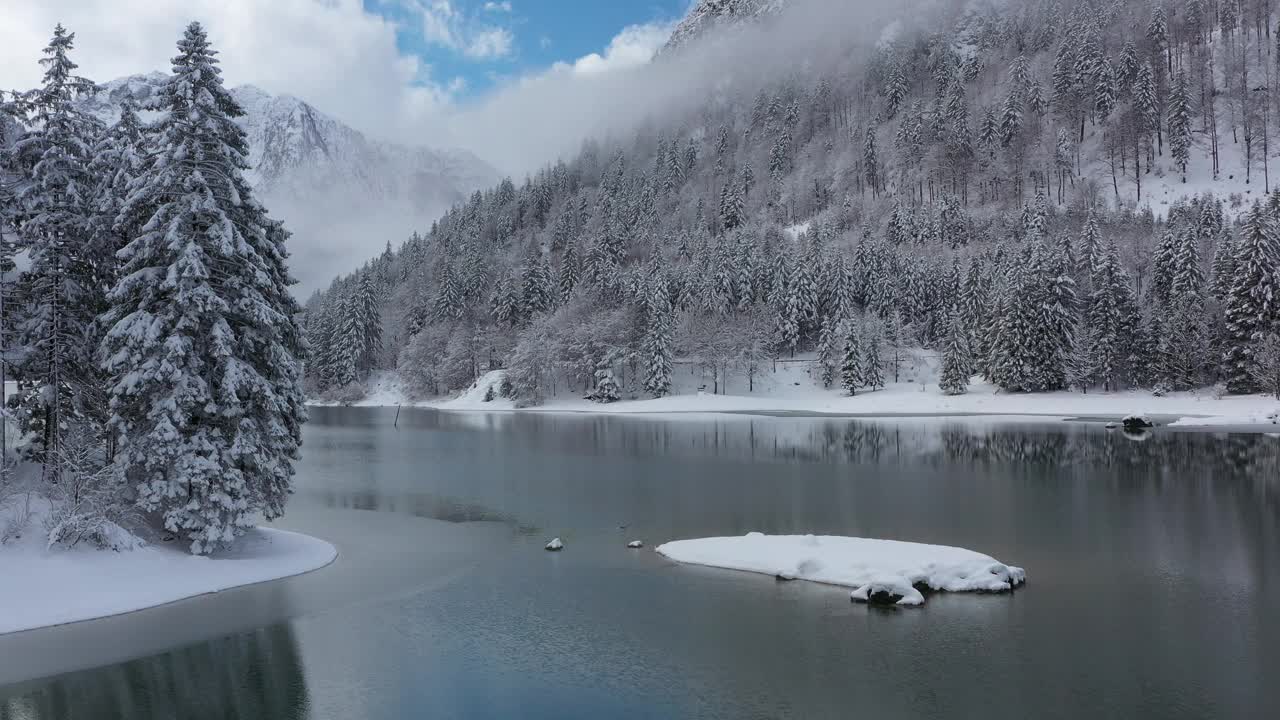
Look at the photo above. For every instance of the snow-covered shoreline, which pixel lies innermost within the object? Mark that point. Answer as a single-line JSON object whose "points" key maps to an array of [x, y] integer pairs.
{"points": [[43, 587], [877, 570], [791, 392]]}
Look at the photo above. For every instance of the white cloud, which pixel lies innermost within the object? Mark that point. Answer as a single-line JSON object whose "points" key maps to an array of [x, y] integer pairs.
{"points": [[331, 53], [444, 25], [635, 45], [489, 43], [438, 22], [496, 7]]}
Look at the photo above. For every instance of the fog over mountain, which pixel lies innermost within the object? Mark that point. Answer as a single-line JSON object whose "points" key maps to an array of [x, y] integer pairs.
{"points": [[342, 194]]}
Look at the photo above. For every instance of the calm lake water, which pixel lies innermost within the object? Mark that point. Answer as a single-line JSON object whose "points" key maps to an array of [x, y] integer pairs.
{"points": [[1153, 579]]}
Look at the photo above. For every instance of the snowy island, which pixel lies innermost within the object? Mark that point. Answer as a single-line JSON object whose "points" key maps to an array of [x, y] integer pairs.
{"points": [[887, 572]]}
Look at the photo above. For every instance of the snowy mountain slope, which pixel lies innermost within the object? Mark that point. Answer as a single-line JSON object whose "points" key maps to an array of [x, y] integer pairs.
{"points": [[343, 194], [708, 14]]}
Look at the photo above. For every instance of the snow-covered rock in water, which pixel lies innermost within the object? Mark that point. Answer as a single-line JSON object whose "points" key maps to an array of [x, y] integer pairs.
{"points": [[889, 590], [1137, 421], [1112, 425], [876, 569], [555, 545], [635, 544]]}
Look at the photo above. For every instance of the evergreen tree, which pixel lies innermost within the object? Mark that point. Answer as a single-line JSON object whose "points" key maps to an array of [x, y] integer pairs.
{"points": [[570, 271], [872, 354], [1254, 301], [117, 161], [448, 304], [1111, 320], [538, 294], [365, 298], [830, 349], [657, 353], [852, 371], [204, 348], [870, 162], [60, 292], [1224, 265], [956, 365], [1179, 123]]}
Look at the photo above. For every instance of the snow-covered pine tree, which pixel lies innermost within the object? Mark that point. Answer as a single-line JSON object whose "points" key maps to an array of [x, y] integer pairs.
{"points": [[538, 287], [210, 417], [117, 160], [1266, 366], [1179, 124], [871, 337], [1254, 302], [349, 341], [59, 293], [956, 363], [448, 303], [830, 350], [657, 352], [1183, 341], [1104, 92], [852, 370], [365, 298], [606, 390], [1111, 319], [570, 271], [1224, 264], [870, 161]]}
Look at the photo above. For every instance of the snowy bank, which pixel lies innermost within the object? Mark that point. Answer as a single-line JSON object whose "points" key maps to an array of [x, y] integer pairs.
{"points": [[791, 389], [894, 568], [42, 586], [1258, 420]]}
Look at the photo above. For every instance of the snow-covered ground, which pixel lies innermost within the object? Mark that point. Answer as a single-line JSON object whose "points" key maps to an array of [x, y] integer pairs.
{"points": [[866, 565], [40, 586], [790, 388]]}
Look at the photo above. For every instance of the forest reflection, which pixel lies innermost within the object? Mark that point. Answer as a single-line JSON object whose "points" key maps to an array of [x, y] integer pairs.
{"points": [[252, 676]]}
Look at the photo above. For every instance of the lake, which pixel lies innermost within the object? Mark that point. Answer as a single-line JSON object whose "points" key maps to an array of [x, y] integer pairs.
{"points": [[1153, 579]]}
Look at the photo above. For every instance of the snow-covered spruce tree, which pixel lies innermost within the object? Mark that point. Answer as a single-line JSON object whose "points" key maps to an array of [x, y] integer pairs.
{"points": [[1183, 341], [871, 337], [59, 294], [956, 365], [117, 160], [203, 349], [369, 336], [1266, 366], [606, 390], [1254, 302], [830, 349], [852, 372], [538, 294], [1111, 320], [657, 340], [1179, 124]]}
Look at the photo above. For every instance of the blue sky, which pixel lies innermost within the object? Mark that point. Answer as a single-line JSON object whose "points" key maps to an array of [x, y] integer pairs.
{"points": [[472, 45]]}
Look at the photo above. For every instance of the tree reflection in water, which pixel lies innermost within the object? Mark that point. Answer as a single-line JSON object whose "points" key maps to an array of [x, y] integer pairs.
{"points": [[252, 676]]}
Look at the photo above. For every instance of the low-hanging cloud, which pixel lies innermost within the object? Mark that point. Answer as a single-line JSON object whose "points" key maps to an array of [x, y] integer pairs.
{"points": [[536, 118]]}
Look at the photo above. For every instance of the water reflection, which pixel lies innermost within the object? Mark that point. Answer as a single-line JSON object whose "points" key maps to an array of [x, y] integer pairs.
{"points": [[253, 676], [1154, 566]]}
